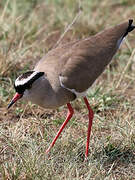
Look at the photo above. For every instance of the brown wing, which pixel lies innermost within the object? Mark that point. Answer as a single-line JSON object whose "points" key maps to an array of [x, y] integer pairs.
{"points": [[85, 64], [88, 59], [80, 63]]}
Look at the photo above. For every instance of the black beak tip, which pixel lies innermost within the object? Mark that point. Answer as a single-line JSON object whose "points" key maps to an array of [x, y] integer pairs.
{"points": [[15, 98], [10, 104]]}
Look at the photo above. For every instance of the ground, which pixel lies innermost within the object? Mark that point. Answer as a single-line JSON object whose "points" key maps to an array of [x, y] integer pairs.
{"points": [[28, 30]]}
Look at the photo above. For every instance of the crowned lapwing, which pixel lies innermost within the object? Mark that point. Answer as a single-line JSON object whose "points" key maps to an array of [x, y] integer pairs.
{"points": [[68, 71]]}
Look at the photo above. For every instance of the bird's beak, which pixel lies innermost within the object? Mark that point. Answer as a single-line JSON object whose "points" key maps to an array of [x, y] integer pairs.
{"points": [[15, 98]]}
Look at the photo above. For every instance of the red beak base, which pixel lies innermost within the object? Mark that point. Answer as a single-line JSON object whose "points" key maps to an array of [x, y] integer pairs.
{"points": [[15, 98]]}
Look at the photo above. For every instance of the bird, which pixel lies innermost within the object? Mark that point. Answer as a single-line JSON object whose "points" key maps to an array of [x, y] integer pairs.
{"points": [[66, 73]]}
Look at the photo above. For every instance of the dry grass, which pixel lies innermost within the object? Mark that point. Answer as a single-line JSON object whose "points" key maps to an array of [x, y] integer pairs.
{"points": [[28, 29]]}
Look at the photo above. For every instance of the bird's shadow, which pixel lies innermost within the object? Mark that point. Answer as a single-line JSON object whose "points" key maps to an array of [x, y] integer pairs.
{"points": [[115, 155], [111, 155]]}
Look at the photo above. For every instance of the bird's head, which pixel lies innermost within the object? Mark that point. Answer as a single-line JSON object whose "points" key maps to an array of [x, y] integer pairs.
{"points": [[24, 82]]}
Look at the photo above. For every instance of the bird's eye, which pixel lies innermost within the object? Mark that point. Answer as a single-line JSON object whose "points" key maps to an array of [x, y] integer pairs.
{"points": [[29, 86]]}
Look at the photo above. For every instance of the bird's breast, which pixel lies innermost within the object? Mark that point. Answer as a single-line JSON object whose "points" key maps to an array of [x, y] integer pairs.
{"points": [[44, 94]]}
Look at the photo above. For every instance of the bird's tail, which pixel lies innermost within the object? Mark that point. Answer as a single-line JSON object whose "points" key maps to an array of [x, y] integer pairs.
{"points": [[130, 27]]}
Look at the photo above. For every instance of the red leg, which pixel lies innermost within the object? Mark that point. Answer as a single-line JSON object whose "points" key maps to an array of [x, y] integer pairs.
{"points": [[91, 115], [69, 115]]}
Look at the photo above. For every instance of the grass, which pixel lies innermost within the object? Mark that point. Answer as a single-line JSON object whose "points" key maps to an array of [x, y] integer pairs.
{"points": [[28, 29]]}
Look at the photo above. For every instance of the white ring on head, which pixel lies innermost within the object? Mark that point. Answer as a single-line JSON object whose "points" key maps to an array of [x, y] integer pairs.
{"points": [[25, 80]]}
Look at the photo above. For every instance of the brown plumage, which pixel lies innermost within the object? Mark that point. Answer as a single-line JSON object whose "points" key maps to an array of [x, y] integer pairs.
{"points": [[80, 63], [67, 72]]}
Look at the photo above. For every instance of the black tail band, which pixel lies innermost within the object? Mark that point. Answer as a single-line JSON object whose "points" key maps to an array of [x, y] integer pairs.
{"points": [[130, 27]]}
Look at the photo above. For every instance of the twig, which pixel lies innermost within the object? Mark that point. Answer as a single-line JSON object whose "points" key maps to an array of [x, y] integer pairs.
{"points": [[67, 28], [4, 10], [126, 67]]}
